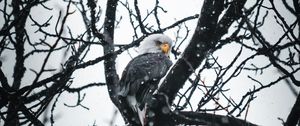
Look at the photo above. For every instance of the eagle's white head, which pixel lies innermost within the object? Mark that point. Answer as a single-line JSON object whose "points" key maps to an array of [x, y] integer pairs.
{"points": [[156, 43]]}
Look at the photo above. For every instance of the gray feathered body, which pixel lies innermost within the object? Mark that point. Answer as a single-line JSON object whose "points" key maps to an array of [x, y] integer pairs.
{"points": [[142, 75]]}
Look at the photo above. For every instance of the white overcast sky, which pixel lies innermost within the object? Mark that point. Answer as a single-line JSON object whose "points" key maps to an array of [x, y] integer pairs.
{"points": [[264, 110]]}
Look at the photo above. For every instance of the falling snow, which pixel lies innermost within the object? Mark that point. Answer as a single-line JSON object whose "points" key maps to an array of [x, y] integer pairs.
{"points": [[165, 110]]}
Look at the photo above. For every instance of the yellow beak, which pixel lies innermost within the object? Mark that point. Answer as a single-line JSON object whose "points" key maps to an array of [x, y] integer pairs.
{"points": [[165, 47]]}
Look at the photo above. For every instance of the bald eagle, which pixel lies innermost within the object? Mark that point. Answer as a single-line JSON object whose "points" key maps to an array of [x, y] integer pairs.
{"points": [[142, 74]]}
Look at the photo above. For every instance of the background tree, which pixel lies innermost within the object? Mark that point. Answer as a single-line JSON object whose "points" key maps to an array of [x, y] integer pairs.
{"points": [[185, 97]]}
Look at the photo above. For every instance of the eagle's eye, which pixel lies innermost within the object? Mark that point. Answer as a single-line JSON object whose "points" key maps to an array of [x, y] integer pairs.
{"points": [[158, 42]]}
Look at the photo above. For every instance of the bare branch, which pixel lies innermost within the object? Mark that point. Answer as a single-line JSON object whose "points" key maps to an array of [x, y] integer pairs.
{"points": [[294, 116]]}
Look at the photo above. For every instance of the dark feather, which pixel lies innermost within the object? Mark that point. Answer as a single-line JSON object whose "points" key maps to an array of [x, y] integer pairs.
{"points": [[142, 75]]}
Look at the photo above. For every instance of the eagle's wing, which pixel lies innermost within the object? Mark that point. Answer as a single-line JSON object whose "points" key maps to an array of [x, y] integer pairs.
{"points": [[142, 74]]}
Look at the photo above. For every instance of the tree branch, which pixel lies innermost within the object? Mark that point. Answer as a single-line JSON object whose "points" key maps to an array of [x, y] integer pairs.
{"points": [[204, 39], [138, 16], [294, 116], [210, 119]]}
